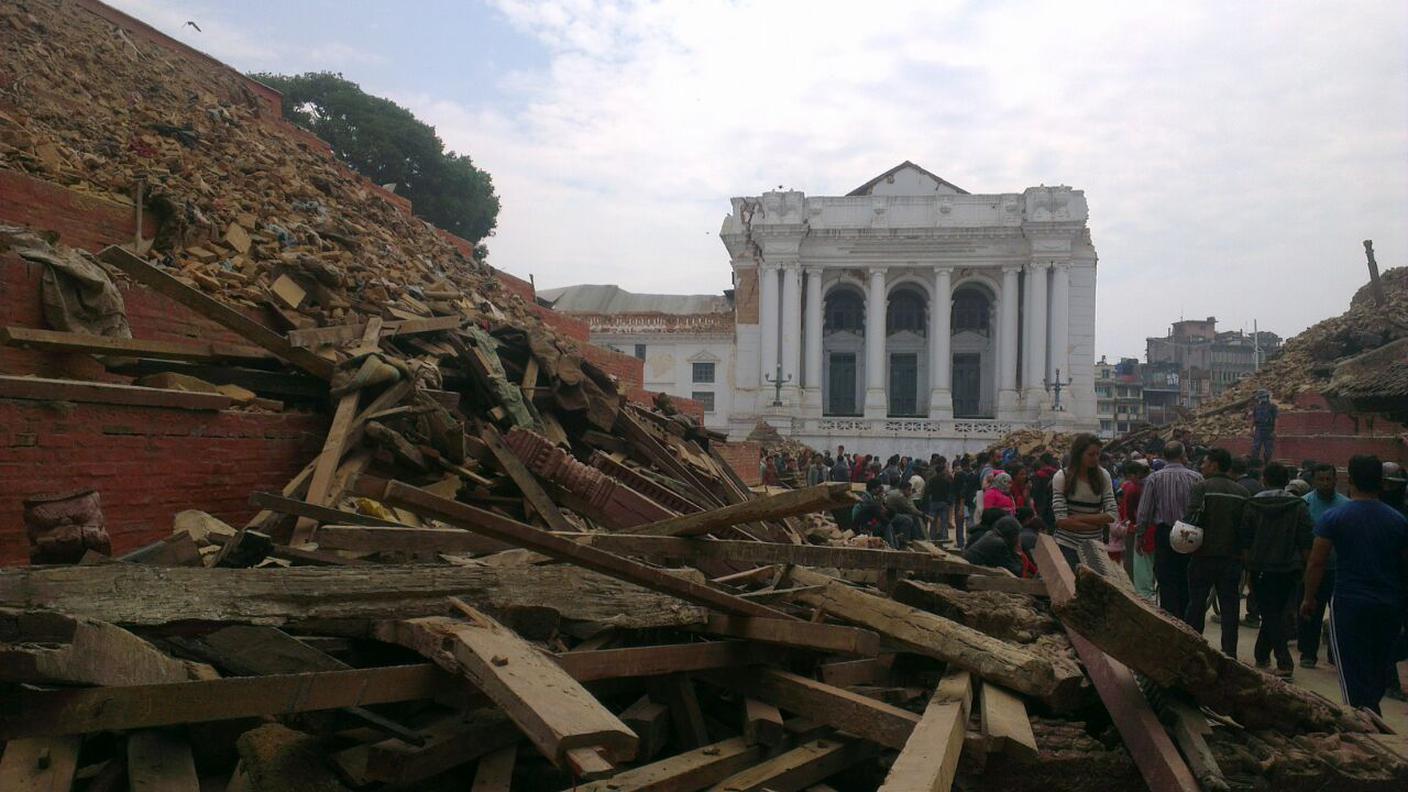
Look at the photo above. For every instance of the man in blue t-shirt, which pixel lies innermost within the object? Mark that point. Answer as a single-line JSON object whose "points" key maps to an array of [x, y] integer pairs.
{"points": [[1324, 497], [1370, 540]]}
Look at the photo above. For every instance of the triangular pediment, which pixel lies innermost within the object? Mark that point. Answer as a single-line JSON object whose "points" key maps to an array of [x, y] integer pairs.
{"points": [[907, 178]]}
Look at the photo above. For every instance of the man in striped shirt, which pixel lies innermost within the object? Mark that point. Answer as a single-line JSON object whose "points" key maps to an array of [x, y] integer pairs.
{"points": [[1165, 501]]}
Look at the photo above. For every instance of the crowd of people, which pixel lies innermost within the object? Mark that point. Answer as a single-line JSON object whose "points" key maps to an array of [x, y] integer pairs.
{"points": [[1196, 529]]}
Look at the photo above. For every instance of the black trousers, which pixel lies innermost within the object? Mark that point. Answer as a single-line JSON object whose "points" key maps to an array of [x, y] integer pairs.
{"points": [[1171, 570], [1273, 594], [1363, 634], [1224, 575], [1308, 630]]}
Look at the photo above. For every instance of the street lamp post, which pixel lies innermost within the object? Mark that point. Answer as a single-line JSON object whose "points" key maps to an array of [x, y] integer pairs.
{"points": [[777, 382]]}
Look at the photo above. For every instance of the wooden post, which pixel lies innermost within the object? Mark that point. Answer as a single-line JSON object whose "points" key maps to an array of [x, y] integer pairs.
{"points": [[929, 759], [1380, 297]]}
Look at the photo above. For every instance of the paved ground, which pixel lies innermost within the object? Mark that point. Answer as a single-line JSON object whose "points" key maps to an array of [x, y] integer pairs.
{"points": [[1322, 679]]}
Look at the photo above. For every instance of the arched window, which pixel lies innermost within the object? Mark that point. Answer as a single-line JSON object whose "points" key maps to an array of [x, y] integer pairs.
{"points": [[845, 310], [970, 311], [906, 312]]}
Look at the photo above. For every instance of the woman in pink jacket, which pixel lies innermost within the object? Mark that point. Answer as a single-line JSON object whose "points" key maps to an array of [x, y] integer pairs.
{"points": [[998, 494]]}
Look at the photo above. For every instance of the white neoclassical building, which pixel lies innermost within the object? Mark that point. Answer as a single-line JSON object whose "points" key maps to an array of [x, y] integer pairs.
{"points": [[910, 316]]}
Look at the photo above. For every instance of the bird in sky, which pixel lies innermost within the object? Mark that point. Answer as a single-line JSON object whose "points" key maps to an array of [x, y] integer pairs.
{"points": [[194, 25]]}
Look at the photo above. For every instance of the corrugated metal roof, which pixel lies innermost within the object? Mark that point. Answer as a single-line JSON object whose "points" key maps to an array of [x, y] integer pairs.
{"points": [[610, 299]]}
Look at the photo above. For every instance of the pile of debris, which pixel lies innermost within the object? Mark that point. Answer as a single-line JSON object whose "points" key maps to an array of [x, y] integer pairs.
{"points": [[1308, 361], [772, 442], [1034, 442]]}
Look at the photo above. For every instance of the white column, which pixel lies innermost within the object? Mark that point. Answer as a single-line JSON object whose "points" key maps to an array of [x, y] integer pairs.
{"points": [[811, 332], [767, 321], [1061, 321], [940, 346], [1007, 378], [1035, 350], [791, 334], [876, 404]]}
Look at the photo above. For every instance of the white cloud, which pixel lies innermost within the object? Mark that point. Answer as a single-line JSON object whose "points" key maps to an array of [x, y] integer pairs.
{"points": [[1233, 155]]}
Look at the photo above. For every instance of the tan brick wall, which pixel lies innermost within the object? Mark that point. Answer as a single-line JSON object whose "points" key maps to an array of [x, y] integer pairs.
{"points": [[745, 296]]}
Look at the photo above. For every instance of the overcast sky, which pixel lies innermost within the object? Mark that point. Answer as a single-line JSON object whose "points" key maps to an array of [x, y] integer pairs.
{"points": [[1234, 155]]}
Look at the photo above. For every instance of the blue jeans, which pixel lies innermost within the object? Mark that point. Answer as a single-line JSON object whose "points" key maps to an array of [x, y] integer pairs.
{"points": [[939, 512]]}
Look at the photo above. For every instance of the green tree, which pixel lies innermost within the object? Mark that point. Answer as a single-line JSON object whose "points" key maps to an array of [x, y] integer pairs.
{"points": [[387, 143]]}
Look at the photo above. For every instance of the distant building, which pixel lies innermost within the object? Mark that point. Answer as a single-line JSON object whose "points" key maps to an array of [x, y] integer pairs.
{"points": [[686, 340], [1119, 396], [1205, 362]]}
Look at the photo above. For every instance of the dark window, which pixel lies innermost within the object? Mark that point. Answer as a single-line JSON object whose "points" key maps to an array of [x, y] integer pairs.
{"points": [[906, 313], [845, 311], [970, 311], [703, 372], [640, 351], [705, 398]]}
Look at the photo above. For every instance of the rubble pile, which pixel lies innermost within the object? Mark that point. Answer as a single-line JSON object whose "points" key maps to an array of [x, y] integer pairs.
{"points": [[1029, 441], [499, 573]]}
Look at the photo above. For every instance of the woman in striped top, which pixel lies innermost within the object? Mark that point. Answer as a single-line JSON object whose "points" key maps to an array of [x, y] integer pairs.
{"points": [[1082, 497]]}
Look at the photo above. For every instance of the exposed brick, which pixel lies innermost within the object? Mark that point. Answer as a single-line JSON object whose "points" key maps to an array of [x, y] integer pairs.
{"points": [[743, 456]]}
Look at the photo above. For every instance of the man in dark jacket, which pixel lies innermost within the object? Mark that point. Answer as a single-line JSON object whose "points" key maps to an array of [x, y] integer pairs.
{"points": [[1216, 505], [998, 547], [1276, 534]]}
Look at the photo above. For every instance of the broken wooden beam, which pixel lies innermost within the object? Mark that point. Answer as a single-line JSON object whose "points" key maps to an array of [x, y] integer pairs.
{"points": [[447, 743], [139, 270], [926, 633], [84, 343], [800, 767], [1171, 654], [1159, 763], [929, 759], [40, 763], [1005, 723], [842, 709], [532, 491], [551, 708], [762, 723], [671, 548], [59, 390], [506, 530], [53, 648], [822, 497], [132, 594], [160, 760], [699, 768], [831, 638], [416, 541]]}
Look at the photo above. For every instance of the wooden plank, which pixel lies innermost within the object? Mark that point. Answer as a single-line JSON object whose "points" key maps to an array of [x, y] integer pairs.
{"points": [[551, 708], [832, 638], [800, 767], [132, 594], [983, 582], [762, 723], [690, 770], [195, 351], [320, 490], [315, 337], [448, 743], [644, 661], [672, 548], [495, 771], [1159, 762], [507, 530], [214, 310], [527, 483], [822, 497], [1164, 649], [49, 648], [47, 713], [1005, 724], [850, 712], [847, 673], [929, 759], [368, 539], [160, 761], [944, 639], [650, 721], [283, 504], [43, 764], [46, 389], [677, 693]]}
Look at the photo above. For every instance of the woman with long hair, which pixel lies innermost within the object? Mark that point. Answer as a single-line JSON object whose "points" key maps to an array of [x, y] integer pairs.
{"points": [[1082, 497]]}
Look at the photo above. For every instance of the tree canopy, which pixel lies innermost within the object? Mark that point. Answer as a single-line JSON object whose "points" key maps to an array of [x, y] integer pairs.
{"points": [[387, 143]]}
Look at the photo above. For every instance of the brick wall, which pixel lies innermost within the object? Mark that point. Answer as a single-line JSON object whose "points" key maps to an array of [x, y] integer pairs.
{"points": [[743, 456], [81, 220], [1315, 431], [147, 463], [745, 296]]}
